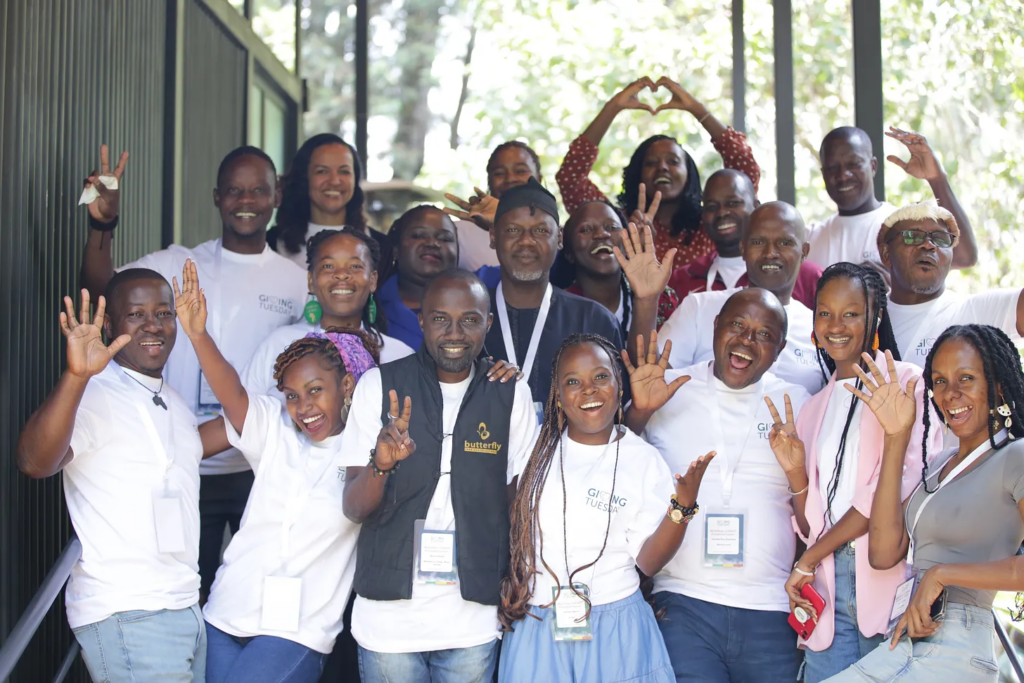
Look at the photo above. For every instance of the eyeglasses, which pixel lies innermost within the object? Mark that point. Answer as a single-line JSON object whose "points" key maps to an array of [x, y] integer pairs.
{"points": [[914, 238]]}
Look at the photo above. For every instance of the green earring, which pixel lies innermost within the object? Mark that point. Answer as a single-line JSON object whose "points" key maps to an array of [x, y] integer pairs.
{"points": [[373, 310], [313, 310]]}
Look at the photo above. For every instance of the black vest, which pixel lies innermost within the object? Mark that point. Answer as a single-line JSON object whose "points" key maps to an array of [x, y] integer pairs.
{"points": [[384, 557]]}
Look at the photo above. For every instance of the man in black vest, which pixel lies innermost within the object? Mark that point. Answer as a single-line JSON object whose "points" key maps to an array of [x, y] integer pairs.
{"points": [[432, 446]]}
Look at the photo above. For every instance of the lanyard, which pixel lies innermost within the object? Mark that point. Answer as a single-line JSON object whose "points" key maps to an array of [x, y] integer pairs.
{"points": [[166, 461], [713, 275], [506, 332], [301, 490], [973, 457], [727, 467]]}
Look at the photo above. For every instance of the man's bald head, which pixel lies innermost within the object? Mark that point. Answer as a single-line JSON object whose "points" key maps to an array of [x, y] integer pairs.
{"points": [[781, 212], [762, 299], [750, 332], [848, 168], [455, 316], [850, 135]]}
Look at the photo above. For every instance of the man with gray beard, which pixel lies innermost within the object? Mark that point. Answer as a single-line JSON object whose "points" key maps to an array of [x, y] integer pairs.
{"points": [[531, 316]]}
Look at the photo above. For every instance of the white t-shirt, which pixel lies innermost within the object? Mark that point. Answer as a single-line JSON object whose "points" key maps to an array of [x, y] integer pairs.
{"points": [[110, 487], [258, 375], [691, 327], [291, 472], [249, 296], [849, 238], [474, 247], [436, 618], [917, 326], [638, 503], [730, 269], [299, 257], [828, 448], [684, 429]]}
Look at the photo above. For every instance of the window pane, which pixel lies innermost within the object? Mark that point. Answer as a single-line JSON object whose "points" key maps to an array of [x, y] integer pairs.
{"points": [[273, 132], [255, 116], [274, 22]]}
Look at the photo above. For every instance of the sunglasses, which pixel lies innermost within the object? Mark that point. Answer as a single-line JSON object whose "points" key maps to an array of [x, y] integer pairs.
{"points": [[913, 238]]}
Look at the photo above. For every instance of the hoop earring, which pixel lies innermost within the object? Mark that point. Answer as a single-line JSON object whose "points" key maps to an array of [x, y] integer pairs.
{"points": [[313, 311]]}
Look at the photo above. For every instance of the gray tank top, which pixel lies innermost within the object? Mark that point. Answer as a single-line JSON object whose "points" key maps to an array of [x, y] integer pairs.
{"points": [[974, 518]]}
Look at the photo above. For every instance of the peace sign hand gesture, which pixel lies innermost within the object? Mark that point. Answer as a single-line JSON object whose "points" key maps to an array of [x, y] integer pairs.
{"points": [[647, 379], [394, 443], [786, 445], [647, 277], [627, 97], [87, 355], [106, 207], [190, 301], [922, 164], [894, 407]]}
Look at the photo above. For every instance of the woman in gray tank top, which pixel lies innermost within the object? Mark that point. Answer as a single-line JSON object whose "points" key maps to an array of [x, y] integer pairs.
{"points": [[962, 527]]}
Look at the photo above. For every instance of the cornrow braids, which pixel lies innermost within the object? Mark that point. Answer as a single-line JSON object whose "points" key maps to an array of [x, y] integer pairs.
{"points": [[1002, 367], [379, 325], [877, 319], [514, 144], [686, 219], [307, 346], [517, 587]]}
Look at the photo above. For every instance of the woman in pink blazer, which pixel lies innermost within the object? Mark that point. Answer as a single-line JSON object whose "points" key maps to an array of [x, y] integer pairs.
{"points": [[832, 457]]}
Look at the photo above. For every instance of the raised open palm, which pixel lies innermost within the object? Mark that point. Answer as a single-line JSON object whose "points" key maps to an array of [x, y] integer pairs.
{"points": [[87, 354], [647, 277], [923, 163], [190, 301], [647, 379], [894, 407], [786, 445], [394, 443]]}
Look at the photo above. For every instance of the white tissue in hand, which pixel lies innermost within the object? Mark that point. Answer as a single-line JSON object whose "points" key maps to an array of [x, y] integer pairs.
{"points": [[91, 194]]}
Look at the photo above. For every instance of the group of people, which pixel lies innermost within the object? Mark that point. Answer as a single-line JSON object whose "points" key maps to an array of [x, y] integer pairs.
{"points": [[420, 419]]}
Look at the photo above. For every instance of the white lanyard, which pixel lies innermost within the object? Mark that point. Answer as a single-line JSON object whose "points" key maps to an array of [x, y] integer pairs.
{"points": [[726, 467], [166, 461], [973, 457], [301, 490], [538, 329]]}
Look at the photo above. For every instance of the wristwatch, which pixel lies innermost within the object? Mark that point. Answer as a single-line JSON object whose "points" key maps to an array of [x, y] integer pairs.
{"points": [[681, 514]]}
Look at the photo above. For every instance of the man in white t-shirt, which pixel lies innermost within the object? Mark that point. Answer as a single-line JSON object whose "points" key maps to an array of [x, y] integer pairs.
{"points": [[917, 243], [848, 167], [723, 596], [433, 450], [773, 248], [251, 291], [129, 450]]}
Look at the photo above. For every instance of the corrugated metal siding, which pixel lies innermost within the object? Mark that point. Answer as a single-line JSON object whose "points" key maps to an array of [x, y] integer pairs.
{"points": [[214, 117]]}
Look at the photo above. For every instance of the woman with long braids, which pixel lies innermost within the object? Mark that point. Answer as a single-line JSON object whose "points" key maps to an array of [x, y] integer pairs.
{"points": [[593, 503], [661, 165], [831, 458], [321, 191], [276, 606]]}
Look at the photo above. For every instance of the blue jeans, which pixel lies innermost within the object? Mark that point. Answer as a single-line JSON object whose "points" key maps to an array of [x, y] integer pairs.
{"points": [[262, 659], [718, 644], [141, 646], [848, 644], [962, 650], [464, 665]]}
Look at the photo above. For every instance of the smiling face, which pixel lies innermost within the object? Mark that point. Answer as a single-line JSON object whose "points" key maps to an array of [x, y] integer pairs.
{"points": [[314, 395], [664, 170], [143, 308], [919, 270], [750, 332], [592, 231], [841, 319], [961, 390], [588, 392], [332, 180], [428, 245], [726, 205], [848, 168], [526, 241], [774, 247], [455, 317], [246, 195], [510, 167], [342, 277]]}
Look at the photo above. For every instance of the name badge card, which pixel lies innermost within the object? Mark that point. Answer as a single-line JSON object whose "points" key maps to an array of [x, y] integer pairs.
{"points": [[900, 603], [169, 516], [571, 620], [207, 403], [436, 561], [282, 599], [724, 537]]}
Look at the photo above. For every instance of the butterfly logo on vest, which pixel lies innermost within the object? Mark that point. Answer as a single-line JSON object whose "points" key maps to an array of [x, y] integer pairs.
{"points": [[482, 431], [482, 446]]}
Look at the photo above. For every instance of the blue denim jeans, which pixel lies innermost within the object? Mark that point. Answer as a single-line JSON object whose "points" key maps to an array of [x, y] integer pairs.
{"points": [[262, 659], [717, 644], [142, 646], [962, 650], [464, 665], [848, 644]]}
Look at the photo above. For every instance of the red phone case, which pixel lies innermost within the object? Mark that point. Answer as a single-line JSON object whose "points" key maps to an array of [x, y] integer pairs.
{"points": [[806, 628]]}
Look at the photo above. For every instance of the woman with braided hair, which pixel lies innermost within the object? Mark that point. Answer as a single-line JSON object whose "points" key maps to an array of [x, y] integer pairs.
{"points": [[831, 457], [960, 529], [276, 606], [593, 503]]}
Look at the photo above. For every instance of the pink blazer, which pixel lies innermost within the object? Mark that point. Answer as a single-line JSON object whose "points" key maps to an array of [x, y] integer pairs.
{"points": [[875, 589]]}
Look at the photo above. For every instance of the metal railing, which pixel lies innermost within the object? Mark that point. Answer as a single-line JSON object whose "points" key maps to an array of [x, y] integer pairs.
{"points": [[1008, 648], [22, 633]]}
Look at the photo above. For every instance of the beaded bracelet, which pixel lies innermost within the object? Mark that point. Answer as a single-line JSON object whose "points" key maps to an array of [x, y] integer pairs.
{"points": [[378, 472]]}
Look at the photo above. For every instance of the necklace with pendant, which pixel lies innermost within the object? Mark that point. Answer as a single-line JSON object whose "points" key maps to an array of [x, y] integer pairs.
{"points": [[157, 400]]}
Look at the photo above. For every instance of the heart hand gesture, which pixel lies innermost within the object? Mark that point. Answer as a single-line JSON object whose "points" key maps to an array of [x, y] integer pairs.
{"points": [[106, 207], [87, 355], [894, 408], [190, 301], [394, 443], [647, 379], [628, 97], [922, 164], [786, 445], [681, 99]]}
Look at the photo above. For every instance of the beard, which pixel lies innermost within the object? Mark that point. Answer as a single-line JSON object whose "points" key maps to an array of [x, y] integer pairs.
{"points": [[453, 365], [523, 275]]}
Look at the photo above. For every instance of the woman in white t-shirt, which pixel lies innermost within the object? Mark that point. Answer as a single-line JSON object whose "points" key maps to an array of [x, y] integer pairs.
{"points": [[276, 606], [593, 503], [831, 458]]}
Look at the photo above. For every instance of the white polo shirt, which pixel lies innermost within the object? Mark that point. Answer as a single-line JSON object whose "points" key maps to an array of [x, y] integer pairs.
{"points": [[639, 502], [691, 327], [849, 238], [249, 296], [436, 618], [684, 429], [292, 472], [110, 486]]}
